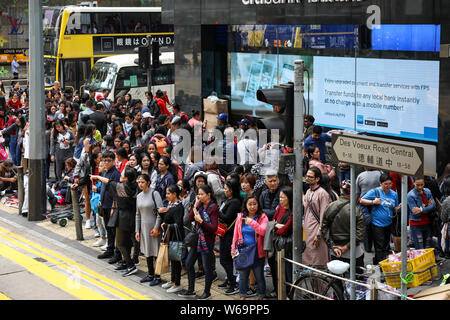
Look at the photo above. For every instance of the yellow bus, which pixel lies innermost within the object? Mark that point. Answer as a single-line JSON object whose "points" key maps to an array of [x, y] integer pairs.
{"points": [[75, 37]]}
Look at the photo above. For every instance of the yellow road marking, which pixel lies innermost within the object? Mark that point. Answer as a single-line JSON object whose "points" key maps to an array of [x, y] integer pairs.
{"points": [[92, 273], [67, 268], [3, 297], [55, 278]]}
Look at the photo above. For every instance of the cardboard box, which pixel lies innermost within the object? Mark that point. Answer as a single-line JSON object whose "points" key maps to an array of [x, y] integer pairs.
{"points": [[211, 120], [215, 107], [436, 293]]}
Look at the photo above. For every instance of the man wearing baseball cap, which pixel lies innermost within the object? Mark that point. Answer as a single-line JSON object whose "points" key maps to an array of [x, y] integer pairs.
{"points": [[222, 120]]}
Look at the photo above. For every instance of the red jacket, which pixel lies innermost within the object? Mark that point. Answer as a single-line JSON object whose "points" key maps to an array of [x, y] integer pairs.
{"points": [[162, 106], [287, 229], [260, 229], [15, 105]]}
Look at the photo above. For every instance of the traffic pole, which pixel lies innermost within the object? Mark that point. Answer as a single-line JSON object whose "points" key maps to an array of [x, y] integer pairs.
{"points": [[404, 221], [297, 237], [77, 215], [37, 191], [20, 188], [352, 231], [149, 67]]}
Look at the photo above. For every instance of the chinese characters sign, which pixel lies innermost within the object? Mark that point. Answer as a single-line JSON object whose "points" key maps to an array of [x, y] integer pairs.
{"points": [[127, 43], [374, 153]]}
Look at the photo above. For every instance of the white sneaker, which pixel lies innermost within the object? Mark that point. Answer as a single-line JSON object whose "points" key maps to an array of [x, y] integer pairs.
{"points": [[105, 247], [167, 285], [96, 234], [88, 224], [100, 242], [175, 289]]}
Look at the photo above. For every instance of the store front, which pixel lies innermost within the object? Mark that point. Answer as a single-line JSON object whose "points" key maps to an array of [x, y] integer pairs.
{"points": [[379, 67]]}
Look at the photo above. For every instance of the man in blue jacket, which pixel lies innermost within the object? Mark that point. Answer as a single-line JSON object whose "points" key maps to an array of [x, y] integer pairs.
{"points": [[420, 206], [318, 139], [110, 171]]}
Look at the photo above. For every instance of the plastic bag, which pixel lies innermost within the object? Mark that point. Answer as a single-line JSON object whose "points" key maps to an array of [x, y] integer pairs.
{"points": [[410, 255]]}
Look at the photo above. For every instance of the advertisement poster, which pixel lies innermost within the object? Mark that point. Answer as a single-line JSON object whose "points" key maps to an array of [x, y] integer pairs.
{"points": [[252, 71], [391, 97]]}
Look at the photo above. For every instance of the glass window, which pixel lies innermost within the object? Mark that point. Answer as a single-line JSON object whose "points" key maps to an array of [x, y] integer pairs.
{"points": [[131, 77], [164, 75], [108, 23], [136, 22], [80, 23], [49, 70], [102, 76]]}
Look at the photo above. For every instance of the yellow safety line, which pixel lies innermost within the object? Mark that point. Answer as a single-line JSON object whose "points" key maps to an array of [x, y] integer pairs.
{"points": [[3, 297], [119, 286], [55, 278], [67, 268]]}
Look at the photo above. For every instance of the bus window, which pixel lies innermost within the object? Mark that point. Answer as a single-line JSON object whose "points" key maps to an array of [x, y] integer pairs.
{"points": [[135, 22], [108, 23], [80, 23], [102, 76], [163, 75], [50, 70], [131, 77]]}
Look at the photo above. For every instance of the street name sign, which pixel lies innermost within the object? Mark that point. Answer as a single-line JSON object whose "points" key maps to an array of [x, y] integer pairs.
{"points": [[379, 153]]}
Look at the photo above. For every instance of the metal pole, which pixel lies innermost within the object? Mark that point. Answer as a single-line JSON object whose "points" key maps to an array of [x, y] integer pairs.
{"points": [[20, 188], [149, 67], [37, 190], [281, 267], [297, 237], [352, 231], [404, 216], [76, 214]]}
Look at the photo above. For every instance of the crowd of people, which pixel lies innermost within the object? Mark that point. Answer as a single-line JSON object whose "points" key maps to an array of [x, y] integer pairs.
{"points": [[118, 156]]}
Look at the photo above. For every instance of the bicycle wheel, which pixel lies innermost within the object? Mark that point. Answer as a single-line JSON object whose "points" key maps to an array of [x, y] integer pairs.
{"points": [[318, 284]]}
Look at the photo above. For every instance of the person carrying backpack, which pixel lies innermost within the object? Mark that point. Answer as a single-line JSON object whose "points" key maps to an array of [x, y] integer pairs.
{"points": [[336, 228], [384, 202]]}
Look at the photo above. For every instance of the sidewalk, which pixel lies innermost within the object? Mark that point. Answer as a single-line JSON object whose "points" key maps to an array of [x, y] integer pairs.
{"points": [[68, 232]]}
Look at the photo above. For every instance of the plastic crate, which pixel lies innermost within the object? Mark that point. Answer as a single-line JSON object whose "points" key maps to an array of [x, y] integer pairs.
{"points": [[392, 270]]}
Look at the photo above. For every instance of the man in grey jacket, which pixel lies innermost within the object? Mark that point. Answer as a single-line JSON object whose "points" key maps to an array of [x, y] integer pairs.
{"points": [[270, 198]]}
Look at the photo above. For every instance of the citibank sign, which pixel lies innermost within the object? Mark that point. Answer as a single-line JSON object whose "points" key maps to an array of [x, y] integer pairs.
{"points": [[251, 2]]}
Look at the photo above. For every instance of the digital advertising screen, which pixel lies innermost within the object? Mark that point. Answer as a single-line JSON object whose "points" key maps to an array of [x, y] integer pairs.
{"points": [[252, 71], [393, 97]]}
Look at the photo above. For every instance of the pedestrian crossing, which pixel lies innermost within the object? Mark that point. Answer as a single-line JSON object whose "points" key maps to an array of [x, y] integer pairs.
{"points": [[64, 273]]}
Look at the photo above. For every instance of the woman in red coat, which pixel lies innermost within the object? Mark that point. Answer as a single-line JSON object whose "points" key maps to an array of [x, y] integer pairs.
{"points": [[14, 102]]}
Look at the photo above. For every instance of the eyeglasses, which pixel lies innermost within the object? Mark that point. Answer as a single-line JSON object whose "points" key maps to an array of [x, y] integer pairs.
{"points": [[310, 177], [107, 160]]}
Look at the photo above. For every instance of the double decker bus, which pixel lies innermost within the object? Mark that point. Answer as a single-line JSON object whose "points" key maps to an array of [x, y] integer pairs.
{"points": [[76, 37]]}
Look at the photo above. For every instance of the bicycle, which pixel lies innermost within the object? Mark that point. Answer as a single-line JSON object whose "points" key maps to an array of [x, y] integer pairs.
{"points": [[318, 286]]}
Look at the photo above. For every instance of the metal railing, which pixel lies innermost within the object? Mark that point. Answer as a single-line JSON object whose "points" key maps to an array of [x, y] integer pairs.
{"points": [[281, 260]]}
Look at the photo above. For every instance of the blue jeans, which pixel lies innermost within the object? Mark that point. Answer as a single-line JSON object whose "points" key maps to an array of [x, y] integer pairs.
{"points": [[13, 147], [207, 260], [421, 236], [258, 270], [344, 176]]}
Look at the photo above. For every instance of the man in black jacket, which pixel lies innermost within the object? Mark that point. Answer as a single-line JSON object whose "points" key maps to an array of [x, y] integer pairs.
{"points": [[336, 228], [112, 174], [270, 198], [99, 118]]}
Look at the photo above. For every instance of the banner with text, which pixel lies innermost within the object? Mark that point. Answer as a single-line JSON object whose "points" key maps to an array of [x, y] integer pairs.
{"points": [[391, 97]]}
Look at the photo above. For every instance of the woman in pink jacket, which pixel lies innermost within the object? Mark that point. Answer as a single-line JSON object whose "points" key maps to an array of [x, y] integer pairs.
{"points": [[250, 229]]}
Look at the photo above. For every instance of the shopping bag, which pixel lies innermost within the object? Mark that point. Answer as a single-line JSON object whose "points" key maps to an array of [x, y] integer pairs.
{"points": [[162, 261]]}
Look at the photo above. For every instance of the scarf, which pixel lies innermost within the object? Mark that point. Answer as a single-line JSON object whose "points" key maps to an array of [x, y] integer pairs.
{"points": [[201, 244]]}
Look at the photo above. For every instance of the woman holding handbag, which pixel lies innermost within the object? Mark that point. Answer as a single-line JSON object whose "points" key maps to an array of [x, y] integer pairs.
{"points": [[283, 235], [206, 214], [147, 220], [250, 228], [227, 218], [172, 217]]}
